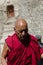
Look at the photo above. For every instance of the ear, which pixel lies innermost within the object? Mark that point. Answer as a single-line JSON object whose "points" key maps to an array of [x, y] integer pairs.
{"points": [[14, 28]]}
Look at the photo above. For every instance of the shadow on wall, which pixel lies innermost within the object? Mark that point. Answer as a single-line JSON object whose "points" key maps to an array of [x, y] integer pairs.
{"points": [[40, 40]]}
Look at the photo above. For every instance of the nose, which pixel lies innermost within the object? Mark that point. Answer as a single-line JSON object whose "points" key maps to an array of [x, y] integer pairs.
{"points": [[23, 33]]}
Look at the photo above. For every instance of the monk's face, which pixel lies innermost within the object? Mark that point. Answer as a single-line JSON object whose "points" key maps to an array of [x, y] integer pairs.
{"points": [[21, 29]]}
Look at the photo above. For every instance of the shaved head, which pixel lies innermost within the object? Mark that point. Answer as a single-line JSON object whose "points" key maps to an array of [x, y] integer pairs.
{"points": [[20, 22], [21, 28]]}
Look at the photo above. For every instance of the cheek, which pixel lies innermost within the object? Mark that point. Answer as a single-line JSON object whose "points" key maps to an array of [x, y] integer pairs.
{"points": [[19, 35]]}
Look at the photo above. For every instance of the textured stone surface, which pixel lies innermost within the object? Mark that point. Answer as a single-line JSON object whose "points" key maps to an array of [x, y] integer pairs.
{"points": [[30, 10]]}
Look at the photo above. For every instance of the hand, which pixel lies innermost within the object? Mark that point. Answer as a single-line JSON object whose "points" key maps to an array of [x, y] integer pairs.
{"points": [[3, 61], [42, 56]]}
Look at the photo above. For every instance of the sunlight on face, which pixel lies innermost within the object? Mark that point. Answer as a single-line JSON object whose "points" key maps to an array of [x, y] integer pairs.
{"points": [[21, 29]]}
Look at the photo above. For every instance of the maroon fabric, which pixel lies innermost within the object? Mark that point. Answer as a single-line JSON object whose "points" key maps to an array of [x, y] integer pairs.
{"points": [[20, 54]]}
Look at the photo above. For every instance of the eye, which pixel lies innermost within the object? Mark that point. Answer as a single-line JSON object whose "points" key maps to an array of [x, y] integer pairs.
{"points": [[25, 30]]}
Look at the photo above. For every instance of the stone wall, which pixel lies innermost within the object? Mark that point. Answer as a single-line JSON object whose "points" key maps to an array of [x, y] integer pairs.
{"points": [[30, 10]]}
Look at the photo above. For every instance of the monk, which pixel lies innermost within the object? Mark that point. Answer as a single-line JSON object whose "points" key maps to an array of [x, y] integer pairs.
{"points": [[21, 48]]}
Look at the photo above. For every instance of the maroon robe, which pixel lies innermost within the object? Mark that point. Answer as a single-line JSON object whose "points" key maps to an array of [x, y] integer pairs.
{"points": [[20, 54]]}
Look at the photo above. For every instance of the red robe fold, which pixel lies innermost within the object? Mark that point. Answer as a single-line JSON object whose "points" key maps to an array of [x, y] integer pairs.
{"points": [[20, 54]]}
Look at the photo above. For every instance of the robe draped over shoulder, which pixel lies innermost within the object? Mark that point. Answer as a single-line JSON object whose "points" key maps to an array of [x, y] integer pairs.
{"points": [[20, 54]]}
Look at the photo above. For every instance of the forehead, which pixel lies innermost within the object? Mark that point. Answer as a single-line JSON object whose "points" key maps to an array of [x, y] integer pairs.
{"points": [[21, 27], [21, 24]]}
